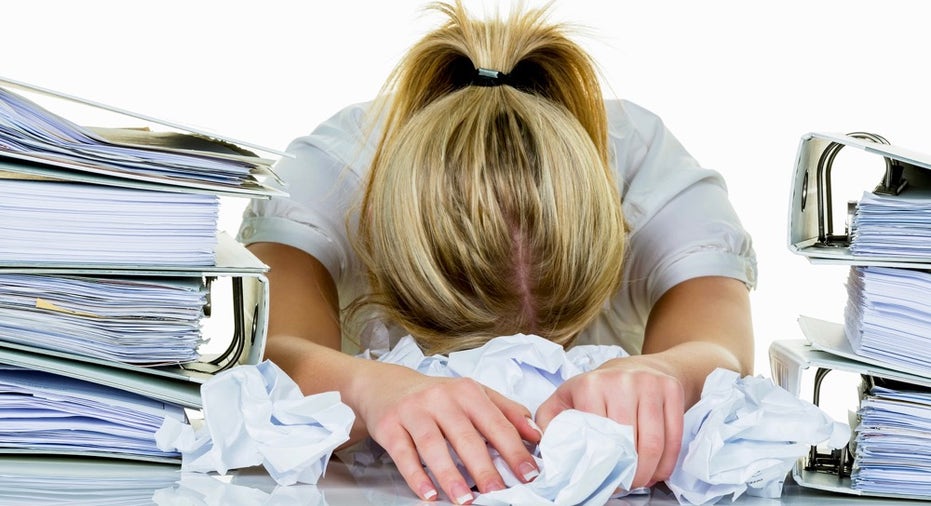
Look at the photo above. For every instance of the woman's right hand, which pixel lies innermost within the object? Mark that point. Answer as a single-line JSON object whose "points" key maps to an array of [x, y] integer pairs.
{"points": [[417, 419], [411, 415]]}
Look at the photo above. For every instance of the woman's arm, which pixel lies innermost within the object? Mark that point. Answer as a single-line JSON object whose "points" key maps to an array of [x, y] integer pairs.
{"points": [[416, 418], [303, 317], [700, 325], [696, 326]]}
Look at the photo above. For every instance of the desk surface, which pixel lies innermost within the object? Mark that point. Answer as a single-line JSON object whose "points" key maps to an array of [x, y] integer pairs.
{"points": [[49, 480]]}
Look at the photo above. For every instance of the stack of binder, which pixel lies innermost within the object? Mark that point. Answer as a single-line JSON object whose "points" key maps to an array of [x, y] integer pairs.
{"points": [[111, 263], [883, 337]]}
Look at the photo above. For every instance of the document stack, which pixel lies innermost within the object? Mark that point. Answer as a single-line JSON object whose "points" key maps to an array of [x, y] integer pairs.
{"points": [[884, 335], [111, 263]]}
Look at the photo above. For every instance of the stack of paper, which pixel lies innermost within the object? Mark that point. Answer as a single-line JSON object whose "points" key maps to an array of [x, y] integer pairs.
{"points": [[109, 247], [70, 194], [888, 316], [46, 413], [885, 329], [37, 137], [893, 225], [143, 321], [894, 442], [57, 222]]}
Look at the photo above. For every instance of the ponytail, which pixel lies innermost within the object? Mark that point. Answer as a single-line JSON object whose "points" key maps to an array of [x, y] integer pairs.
{"points": [[490, 208], [538, 57]]}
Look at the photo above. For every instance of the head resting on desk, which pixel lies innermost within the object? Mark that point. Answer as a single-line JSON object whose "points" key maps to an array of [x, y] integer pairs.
{"points": [[490, 208]]}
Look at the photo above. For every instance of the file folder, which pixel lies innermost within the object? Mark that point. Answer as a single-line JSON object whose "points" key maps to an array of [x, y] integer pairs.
{"points": [[812, 201], [45, 413], [91, 163], [789, 359], [164, 159], [896, 202], [247, 308]]}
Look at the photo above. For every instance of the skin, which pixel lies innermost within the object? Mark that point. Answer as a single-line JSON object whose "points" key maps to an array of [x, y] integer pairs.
{"points": [[697, 326]]}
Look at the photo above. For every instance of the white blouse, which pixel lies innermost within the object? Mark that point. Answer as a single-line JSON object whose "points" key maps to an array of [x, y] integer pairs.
{"points": [[682, 224]]}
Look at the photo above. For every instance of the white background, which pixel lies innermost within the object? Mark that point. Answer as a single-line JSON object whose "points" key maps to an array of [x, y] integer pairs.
{"points": [[738, 82]]}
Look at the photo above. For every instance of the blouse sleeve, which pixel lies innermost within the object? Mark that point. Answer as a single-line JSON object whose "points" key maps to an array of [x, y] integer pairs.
{"points": [[323, 175], [682, 224]]}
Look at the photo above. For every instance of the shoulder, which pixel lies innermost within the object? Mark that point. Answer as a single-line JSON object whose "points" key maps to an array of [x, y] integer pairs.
{"points": [[639, 137], [651, 165], [348, 136], [631, 124], [638, 140], [624, 111]]}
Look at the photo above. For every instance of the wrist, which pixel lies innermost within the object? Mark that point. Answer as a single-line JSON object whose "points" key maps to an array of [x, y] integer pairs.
{"points": [[691, 363], [366, 380]]}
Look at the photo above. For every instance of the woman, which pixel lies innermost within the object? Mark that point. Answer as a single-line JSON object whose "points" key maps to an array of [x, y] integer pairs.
{"points": [[494, 193]]}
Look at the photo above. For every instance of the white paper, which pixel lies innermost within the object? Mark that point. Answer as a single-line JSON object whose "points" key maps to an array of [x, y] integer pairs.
{"points": [[31, 132], [45, 412], [744, 435], [256, 415], [893, 443], [141, 321], [893, 225], [583, 459], [888, 317], [524, 368], [58, 222]]}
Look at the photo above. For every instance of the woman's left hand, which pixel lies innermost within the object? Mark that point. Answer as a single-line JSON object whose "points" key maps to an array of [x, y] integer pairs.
{"points": [[635, 391]]}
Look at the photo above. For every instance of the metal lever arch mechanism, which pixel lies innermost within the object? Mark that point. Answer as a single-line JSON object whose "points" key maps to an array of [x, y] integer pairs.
{"points": [[893, 182]]}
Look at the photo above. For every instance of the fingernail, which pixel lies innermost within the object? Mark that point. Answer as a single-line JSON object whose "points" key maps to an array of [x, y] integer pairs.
{"points": [[528, 471], [533, 425], [428, 492], [461, 494]]}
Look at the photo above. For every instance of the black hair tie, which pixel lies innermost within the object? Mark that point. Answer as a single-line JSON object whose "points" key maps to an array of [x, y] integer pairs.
{"points": [[488, 77]]}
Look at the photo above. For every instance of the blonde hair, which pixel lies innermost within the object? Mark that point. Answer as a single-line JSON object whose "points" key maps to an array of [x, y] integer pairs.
{"points": [[492, 210]]}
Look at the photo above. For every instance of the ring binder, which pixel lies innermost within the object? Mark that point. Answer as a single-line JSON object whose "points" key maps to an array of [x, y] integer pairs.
{"points": [[829, 471], [248, 311], [889, 257], [810, 231], [129, 356]]}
